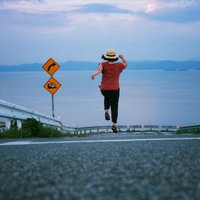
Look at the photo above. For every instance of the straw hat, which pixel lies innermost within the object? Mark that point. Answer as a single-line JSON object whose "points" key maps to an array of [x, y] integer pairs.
{"points": [[110, 54]]}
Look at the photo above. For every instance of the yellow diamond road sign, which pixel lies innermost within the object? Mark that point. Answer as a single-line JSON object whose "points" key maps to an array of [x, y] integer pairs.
{"points": [[51, 66], [52, 85]]}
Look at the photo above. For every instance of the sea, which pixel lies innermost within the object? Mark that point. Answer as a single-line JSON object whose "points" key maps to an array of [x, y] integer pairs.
{"points": [[147, 97]]}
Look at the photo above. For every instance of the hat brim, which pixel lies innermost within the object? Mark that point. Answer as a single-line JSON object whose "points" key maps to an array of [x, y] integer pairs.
{"points": [[110, 57]]}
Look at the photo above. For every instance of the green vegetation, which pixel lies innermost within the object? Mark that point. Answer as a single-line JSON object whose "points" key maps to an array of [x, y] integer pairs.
{"points": [[33, 128], [195, 131], [102, 132]]}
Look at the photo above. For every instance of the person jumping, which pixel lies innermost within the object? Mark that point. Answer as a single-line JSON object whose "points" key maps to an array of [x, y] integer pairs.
{"points": [[110, 83]]}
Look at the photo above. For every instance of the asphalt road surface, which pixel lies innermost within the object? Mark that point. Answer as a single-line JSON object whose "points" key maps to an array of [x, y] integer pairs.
{"points": [[137, 166]]}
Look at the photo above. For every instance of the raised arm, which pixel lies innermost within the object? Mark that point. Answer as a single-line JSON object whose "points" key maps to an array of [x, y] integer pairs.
{"points": [[123, 60], [99, 70]]}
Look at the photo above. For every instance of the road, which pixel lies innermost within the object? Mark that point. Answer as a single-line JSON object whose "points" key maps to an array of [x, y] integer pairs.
{"points": [[124, 166]]}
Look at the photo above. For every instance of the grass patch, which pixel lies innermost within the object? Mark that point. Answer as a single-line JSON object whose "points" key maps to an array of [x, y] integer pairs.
{"points": [[32, 128], [102, 132], [15, 133], [195, 131]]}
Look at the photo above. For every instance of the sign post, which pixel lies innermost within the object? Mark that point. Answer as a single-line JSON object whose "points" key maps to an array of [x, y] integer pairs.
{"points": [[53, 112], [52, 85]]}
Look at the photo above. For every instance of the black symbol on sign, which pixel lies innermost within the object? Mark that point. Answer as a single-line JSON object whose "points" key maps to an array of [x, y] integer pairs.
{"points": [[53, 64], [52, 85]]}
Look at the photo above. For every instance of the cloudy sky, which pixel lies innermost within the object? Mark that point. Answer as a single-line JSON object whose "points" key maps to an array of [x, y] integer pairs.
{"points": [[34, 30]]}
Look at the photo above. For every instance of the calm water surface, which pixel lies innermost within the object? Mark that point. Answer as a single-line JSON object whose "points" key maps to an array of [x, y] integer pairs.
{"points": [[147, 97]]}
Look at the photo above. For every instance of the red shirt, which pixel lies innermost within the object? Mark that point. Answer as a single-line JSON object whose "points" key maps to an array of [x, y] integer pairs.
{"points": [[110, 77]]}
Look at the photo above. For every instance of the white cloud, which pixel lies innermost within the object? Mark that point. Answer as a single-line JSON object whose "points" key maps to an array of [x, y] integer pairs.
{"points": [[68, 8], [47, 6], [36, 7], [138, 28]]}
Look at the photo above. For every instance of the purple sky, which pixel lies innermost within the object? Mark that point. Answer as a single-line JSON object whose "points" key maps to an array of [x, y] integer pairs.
{"points": [[34, 30]]}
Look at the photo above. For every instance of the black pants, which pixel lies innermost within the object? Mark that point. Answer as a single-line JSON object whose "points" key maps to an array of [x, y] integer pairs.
{"points": [[111, 99]]}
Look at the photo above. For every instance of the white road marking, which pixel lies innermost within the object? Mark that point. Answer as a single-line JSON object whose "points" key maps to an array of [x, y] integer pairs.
{"points": [[17, 143], [94, 141]]}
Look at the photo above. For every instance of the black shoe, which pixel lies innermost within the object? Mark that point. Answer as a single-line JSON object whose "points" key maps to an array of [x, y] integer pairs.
{"points": [[107, 116], [114, 129]]}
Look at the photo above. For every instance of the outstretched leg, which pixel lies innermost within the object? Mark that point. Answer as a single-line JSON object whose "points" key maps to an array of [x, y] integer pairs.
{"points": [[106, 95], [114, 105]]}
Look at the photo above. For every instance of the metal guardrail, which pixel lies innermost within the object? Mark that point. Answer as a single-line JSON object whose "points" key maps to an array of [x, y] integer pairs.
{"points": [[193, 127], [10, 111], [78, 130]]}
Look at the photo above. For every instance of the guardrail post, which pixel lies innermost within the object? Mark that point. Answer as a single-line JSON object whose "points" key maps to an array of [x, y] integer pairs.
{"points": [[128, 128], [19, 124], [8, 123]]}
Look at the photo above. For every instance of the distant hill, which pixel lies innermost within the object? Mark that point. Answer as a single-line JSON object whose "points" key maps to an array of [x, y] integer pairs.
{"points": [[167, 65]]}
